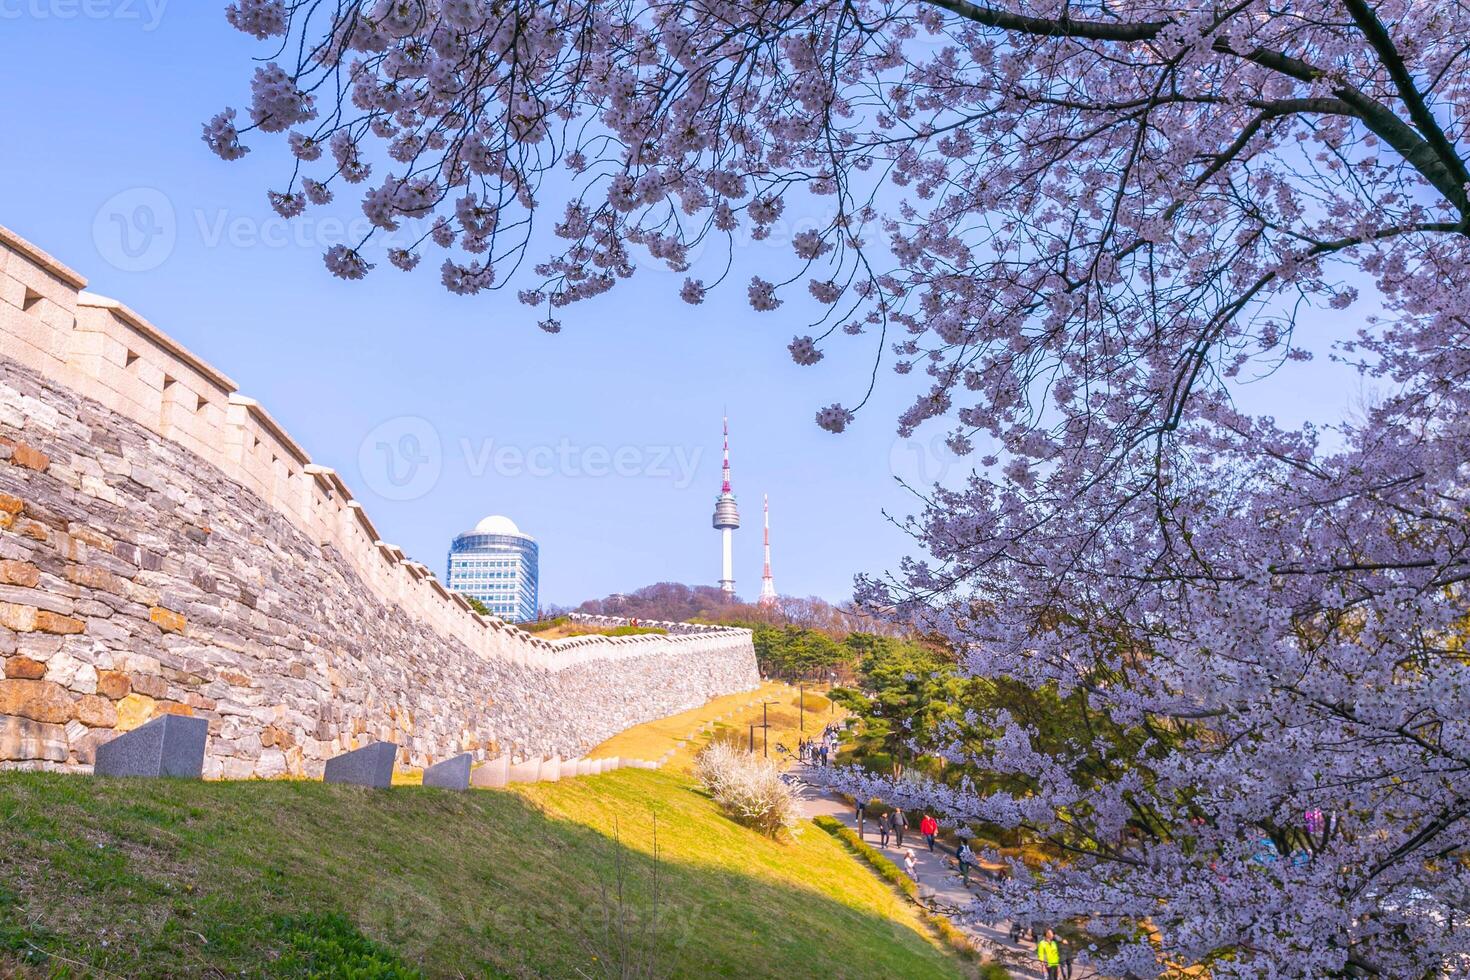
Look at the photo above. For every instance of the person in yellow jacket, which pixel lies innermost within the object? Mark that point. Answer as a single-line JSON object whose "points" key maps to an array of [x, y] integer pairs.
{"points": [[1049, 955]]}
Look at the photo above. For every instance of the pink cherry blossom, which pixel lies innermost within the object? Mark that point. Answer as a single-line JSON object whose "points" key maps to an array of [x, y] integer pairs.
{"points": [[287, 205], [403, 259], [346, 262], [763, 295], [692, 292], [258, 18], [222, 138], [834, 418], [804, 351]]}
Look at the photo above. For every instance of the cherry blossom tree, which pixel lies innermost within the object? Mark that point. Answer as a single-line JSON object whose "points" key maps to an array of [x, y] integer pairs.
{"points": [[1084, 222]]}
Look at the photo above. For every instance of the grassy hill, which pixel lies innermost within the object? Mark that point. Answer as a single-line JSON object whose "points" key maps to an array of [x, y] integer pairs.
{"points": [[165, 878]]}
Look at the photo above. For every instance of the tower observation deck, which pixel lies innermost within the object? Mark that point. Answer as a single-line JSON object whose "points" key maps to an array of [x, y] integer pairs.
{"points": [[726, 520]]}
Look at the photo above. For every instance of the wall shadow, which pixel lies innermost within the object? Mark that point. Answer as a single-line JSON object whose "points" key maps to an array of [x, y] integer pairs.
{"points": [[167, 878]]}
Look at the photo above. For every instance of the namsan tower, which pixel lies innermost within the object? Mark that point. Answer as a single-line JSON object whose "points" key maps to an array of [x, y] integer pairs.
{"points": [[768, 584], [726, 520]]}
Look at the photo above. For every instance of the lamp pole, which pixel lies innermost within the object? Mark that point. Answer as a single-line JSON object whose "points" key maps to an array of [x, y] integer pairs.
{"points": [[801, 702], [765, 731]]}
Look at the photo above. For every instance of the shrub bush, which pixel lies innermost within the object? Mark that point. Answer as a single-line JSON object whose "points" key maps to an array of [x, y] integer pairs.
{"points": [[746, 787]]}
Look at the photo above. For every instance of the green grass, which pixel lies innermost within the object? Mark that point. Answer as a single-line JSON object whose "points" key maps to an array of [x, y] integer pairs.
{"points": [[164, 878]]}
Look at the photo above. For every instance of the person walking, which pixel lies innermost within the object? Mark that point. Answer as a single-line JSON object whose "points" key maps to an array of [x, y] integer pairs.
{"points": [[861, 808], [883, 830], [897, 819], [909, 865], [1067, 950], [966, 857], [929, 827], [1049, 955]]}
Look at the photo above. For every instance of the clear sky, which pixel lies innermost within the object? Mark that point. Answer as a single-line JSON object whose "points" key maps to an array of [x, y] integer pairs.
{"points": [[602, 442]]}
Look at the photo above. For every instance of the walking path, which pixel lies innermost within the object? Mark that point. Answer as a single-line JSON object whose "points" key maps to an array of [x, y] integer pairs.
{"points": [[939, 884]]}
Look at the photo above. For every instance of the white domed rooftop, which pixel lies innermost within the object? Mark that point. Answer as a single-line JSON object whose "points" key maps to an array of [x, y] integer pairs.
{"points": [[497, 524]]}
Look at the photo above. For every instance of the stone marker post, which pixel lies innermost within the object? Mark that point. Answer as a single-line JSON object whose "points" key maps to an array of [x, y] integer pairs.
{"points": [[171, 745], [371, 765]]}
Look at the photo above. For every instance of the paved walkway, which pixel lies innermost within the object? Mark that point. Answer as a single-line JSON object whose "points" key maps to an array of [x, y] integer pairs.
{"points": [[939, 884]]}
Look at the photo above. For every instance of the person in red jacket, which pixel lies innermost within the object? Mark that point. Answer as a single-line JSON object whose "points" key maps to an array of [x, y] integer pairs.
{"points": [[929, 827]]}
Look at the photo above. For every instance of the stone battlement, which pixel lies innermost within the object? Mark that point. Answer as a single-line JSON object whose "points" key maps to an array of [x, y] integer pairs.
{"points": [[169, 440]]}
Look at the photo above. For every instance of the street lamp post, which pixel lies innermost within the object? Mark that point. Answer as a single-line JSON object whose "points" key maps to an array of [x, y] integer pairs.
{"points": [[801, 702], [765, 728], [765, 731]]}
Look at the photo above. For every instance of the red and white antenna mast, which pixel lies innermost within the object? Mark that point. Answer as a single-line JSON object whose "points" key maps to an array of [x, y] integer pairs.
{"points": [[768, 585], [725, 471]]}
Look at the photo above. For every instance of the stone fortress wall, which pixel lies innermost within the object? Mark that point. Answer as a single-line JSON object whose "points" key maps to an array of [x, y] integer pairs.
{"points": [[165, 546]]}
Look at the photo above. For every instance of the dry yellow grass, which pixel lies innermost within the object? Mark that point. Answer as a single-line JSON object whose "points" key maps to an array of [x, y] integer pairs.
{"points": [[727, 717]]}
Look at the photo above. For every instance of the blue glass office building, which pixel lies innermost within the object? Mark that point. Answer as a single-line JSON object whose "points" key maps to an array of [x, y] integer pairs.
{"points": [[496, 564]]}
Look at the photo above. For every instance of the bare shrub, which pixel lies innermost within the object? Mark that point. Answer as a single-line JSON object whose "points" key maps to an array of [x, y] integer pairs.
{"points": [[747, 787]]}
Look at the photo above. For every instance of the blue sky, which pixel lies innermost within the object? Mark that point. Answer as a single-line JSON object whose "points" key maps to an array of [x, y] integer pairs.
{"points": [[602, 442]]}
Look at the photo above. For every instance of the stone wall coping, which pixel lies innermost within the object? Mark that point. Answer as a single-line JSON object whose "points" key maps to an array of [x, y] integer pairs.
{"points": [[132, 319], [329, 481], [268, 422], [42, 259], [367, 525]]}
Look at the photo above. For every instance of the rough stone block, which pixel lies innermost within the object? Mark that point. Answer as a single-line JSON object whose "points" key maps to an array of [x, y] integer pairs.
{"points": [[96, 712], [38, 700], [22, 740], [494, 774], [22, 573], [167, 746], [50, 622], [133, 710], [150, 685], [371, 765], [17, 617], [167, 620], [24, 668], [550, 770], [450, 774], [584, 767]]}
